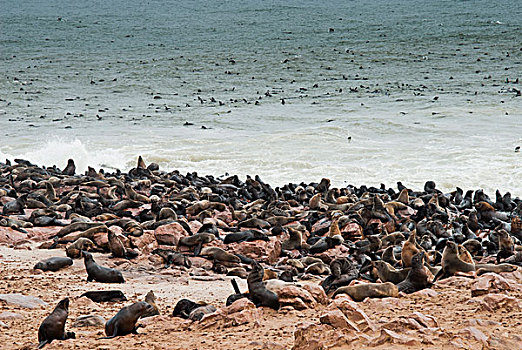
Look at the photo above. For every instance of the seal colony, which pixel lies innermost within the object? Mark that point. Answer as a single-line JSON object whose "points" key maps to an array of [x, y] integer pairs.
{"points": [[364, 242]]}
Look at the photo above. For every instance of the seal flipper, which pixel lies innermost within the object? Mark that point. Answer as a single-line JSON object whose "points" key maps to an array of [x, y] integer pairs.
{"points": [[235, 286], [43, 343], [439, 275], [197, 249], [114, 334]]}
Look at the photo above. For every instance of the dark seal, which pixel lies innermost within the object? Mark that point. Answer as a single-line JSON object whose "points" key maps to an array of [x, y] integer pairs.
{"points": [[53, 326], [125, 320], [99, 273], [53, 264]]}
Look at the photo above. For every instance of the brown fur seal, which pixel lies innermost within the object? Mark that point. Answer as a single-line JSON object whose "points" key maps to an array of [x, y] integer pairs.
{"points": [[388, 273], [359, 292], [141, 163], [403, 197], [318, 268], [53, 326], [219, 255], [389, 256], [295, 241], [172, 257], [198, 313], [70, 169], [135, 196], [78, 226], [505, 242], [150, 298], [167, 213], [334, 226], [50, 193], [99, 296], [125, 320], [409, 249], [257, 291], [99, 273], [184, 307], [117, 247], [417, 278], [74, 250], [451, 263], [465, 255], [53, 264], [485, 268], [194, 240], [15, 207]]}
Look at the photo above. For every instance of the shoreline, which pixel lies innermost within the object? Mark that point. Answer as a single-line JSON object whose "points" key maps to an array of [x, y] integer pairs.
{"points": [[297, 233]]}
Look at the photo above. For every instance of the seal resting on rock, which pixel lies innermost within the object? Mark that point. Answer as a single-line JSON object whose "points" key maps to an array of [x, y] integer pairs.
{"points": [[125, 320], [53, 326], [417, 278], [451, 263], [359, 292]]}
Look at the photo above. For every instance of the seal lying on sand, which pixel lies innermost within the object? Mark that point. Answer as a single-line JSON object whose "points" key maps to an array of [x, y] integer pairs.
{"points": [[53, 264]]}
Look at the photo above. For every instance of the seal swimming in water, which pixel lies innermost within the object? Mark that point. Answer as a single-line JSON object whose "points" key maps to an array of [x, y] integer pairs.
{"points": [[99, 273], [53, 264], [125, 320], [53, 326]]}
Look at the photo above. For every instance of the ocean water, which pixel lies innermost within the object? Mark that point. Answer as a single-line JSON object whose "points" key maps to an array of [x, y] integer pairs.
{"points": [[362, 92]]}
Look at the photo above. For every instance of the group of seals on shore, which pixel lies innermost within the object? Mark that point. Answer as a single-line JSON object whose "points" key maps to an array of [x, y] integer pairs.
{"points": [[397, 240]]}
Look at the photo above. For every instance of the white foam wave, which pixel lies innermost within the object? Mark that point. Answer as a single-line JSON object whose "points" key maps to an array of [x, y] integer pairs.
{"points": [[57, 152]]}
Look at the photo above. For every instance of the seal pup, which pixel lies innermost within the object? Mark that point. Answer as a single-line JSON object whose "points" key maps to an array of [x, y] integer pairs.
{"points": [[343, 272], [295, 241], [74, 250], [417, 277], [135, 196], [387, 273], [125, 320], [151, 299], [53, 264], [99, 273], [53, 326], [184, 307], [409, 249], [118, 249], [257, 291], [451, 263]]}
